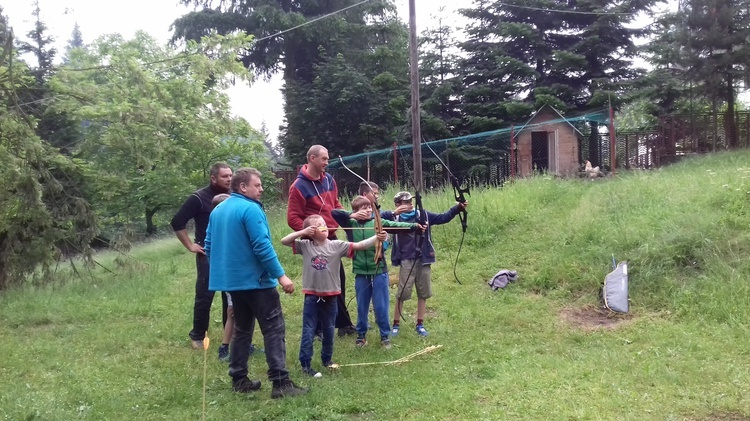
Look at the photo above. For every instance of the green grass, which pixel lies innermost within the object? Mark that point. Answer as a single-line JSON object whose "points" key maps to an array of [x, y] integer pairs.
{"points": [[115, 347]]}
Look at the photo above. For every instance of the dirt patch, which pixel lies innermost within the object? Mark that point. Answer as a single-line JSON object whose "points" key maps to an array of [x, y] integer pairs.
{"points": [[430, 313], [724, 416], [592, 318]]}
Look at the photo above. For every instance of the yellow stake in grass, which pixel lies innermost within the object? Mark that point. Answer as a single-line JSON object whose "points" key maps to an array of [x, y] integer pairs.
{"points": [[206, 342]]}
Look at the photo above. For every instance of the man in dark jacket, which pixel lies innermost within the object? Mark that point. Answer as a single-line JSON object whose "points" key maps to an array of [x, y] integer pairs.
{"points": [[314, 192], [198, 207]]}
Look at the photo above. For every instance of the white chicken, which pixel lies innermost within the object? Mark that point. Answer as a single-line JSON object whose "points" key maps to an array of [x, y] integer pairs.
{"points": [[593, 172]]}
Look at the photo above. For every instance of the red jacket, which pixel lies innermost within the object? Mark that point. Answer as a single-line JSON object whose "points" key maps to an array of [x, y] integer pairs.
{"points": [[313, 197]]}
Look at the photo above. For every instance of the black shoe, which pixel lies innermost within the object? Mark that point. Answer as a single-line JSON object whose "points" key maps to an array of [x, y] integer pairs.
{"points": [[349, 330], [287, 388], [245, 385]]}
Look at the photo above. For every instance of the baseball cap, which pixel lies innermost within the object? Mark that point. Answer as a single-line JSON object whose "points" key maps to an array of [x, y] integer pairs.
{"points": [[402, 196]]}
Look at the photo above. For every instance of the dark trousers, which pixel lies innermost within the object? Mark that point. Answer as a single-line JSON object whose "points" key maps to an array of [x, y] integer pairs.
{"points": [[263, 305], [317, 311], [203, 300], [342, 316]]}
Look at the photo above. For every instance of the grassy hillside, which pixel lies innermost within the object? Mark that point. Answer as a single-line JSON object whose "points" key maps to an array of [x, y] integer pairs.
{"points": [[115, 346]]}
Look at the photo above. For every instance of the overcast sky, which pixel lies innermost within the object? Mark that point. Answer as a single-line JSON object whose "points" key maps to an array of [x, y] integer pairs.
{"points": [[259, 103]]}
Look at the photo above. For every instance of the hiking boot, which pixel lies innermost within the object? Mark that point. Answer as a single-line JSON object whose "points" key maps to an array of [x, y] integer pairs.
{"points": [[394, 330], [224, 353], [245, 385], [196, 344], [421, 331], [386, 343], [287, 388], [311, 372], [345, 331], [361, 342]]}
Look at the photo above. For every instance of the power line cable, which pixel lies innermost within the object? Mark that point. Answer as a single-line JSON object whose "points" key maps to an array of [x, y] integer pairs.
{"points": [[574, 12], [181, 55], [312, 21]]}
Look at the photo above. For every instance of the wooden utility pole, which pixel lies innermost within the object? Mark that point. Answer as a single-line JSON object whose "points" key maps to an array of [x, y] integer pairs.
{"points": [[416, 132]]}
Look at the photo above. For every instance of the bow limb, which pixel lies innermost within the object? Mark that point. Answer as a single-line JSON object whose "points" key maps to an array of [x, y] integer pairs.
{"points": [[463, 216], [376, 210]]}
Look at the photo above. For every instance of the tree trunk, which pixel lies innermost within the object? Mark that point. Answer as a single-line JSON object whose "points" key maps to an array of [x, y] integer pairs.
{"points": [[150, 227]]}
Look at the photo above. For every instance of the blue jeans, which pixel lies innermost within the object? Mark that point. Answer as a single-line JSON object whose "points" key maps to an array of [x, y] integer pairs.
{"points": [[317, 310], [372, 288]]}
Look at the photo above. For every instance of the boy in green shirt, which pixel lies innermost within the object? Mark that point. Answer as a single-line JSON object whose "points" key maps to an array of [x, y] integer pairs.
{"points": [[370, 271]]}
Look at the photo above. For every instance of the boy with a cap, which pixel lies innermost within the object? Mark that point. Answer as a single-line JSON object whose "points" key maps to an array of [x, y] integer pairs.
{"points": [[414, 255]]}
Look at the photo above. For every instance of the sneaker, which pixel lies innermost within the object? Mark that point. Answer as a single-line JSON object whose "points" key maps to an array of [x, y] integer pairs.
{"points": [[311, 372], [361, 342], [254, 349], [329, 364], [224, 353], [196, 344], [421, 331], [345, 331], [386, 343], [394, 330], [245, 385], [287, 388]]}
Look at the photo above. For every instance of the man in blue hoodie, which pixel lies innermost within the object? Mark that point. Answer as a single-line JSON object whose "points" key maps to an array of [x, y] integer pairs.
{"points": [[244, 263]]}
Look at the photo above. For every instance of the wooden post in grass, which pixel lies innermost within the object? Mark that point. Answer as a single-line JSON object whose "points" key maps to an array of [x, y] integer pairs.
{"points": [[395, 164], [612, 142], [416, 133]]}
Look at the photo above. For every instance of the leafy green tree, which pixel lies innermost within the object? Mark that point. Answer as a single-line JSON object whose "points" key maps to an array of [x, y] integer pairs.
{"points": [[154, 121]]}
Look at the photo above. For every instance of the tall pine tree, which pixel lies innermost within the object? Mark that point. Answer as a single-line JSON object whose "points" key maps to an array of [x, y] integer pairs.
{"points": [[715, 35], [440, 85], [366, 43]]}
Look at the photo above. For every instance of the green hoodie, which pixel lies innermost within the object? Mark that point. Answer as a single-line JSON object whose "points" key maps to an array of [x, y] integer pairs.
{"points": [[364, 260]]}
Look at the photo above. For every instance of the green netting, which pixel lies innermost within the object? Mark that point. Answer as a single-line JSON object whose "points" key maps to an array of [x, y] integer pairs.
{"points": [[439, 146]]}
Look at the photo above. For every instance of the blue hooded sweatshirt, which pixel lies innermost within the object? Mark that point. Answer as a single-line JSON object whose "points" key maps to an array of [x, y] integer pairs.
{"points": [[238, 246]]}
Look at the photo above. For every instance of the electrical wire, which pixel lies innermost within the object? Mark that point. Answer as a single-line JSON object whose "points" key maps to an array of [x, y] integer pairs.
{"points": [[574, 12], [181, 55]]}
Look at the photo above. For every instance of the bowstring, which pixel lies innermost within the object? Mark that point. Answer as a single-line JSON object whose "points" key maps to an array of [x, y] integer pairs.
{"points": [[456, 193], [419, 249]]}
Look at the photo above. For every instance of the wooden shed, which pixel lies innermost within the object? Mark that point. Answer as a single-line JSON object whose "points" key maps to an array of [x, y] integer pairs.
{"points": [[547, 143]]}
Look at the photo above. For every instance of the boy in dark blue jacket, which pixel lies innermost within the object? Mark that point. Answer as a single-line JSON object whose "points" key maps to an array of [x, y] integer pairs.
{"points": [[414, 264]]}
